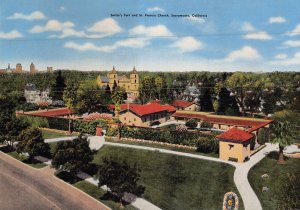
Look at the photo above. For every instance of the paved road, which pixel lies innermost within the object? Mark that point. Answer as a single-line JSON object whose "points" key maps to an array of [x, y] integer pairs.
{"points": [[22, 187]]}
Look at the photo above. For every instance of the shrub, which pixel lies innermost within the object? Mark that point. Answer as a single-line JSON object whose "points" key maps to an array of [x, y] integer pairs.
{"points": [[192, 123], [208, 145], [206, 124], [89, 127], [36, 122], [169, 136]]}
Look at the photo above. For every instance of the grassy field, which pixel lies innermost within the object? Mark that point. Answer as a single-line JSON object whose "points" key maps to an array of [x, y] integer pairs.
{"points": [[277, 178], [174, 182], [100, 195], [52, 134], [33, 163], [160, 146]]}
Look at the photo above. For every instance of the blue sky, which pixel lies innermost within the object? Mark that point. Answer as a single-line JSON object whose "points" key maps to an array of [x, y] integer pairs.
{"points": [[236, 35]]}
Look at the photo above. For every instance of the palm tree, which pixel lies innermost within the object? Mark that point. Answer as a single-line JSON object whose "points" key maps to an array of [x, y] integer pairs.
{"points": [[282, 132]]}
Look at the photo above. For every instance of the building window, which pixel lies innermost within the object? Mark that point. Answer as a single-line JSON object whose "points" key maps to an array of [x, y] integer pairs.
{"points": [[134, 119], [134, 81], [124, 118], [114, 76], [230, 146], [135, 76]]}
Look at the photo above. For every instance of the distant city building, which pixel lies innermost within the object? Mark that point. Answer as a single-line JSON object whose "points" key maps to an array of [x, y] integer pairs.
{"points": [[32, 68], [33, 95], [18, 68], [50, 69], [131, 84]]}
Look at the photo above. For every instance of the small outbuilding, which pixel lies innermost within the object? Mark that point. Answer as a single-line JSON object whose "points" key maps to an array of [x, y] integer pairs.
{"points": [[234, 145]]}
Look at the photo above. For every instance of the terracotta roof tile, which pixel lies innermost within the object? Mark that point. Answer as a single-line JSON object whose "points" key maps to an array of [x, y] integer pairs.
{"points": [[181, 103], [235, 134]]}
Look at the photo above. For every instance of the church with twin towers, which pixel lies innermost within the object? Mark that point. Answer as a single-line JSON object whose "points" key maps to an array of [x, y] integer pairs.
{"points": [[131, 84]]}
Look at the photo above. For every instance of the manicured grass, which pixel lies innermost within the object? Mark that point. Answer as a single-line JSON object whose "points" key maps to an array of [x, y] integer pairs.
{"points": [[277, 178], [100, 195], [174, 182], [33, 163], [187, 150], [52, 134]]}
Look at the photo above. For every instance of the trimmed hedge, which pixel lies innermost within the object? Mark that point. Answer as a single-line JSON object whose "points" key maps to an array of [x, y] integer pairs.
{"points": [[89, 127], [169, 136], [47, 122], [208, 145]]}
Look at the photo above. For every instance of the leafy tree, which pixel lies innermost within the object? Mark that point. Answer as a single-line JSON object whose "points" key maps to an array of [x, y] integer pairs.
{"points": [[118, 95], [72, 156], [192, 123], [242, 83], [31, 141], [282, 131], [120, 177], [70, 98], [11, 129]]}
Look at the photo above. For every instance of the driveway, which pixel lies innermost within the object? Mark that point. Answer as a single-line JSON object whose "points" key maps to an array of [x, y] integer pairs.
{"points": [[23, 187]]}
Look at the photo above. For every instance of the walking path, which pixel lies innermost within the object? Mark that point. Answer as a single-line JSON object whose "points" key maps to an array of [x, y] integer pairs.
{"points": [[250, 200], [135, 201]]}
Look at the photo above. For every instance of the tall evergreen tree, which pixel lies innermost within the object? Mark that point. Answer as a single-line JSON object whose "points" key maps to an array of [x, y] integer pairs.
{"points": [[59, 86], [206, 101]]}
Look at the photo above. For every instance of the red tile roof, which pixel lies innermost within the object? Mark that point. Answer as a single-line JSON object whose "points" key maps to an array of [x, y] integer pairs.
{"points": [[235, 134], [96, 115], [49, 113], [181, 103], [252, 123], [144, 109]]}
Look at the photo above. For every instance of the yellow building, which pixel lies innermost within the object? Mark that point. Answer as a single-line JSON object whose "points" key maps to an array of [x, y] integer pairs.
{"points": [[234, 145], [32, 68], [19, 68], [131, 84]]}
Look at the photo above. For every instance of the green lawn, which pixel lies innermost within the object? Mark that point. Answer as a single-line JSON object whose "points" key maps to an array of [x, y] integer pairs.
{"points": [[277, 178], [33, 163], [100, 195], [174, 182], [161, 146], [52, 134]]}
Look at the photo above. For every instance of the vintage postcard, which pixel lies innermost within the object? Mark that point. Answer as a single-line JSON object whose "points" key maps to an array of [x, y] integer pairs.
{"points": [[135, 104]]}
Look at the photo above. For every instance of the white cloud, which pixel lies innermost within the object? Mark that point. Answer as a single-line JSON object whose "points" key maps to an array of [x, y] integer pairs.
{"points": [[292, 43], [195, 19], [155, 9], [10, 35], [247, 27], [131, 43], [252, 32], [245, 53], [152, 31], [281, 56], [62, 8], [295, 60], [261, 35], [106, 26], [277, 20], [187, 44], [294, 32], [52, 25], [36, 15]]}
